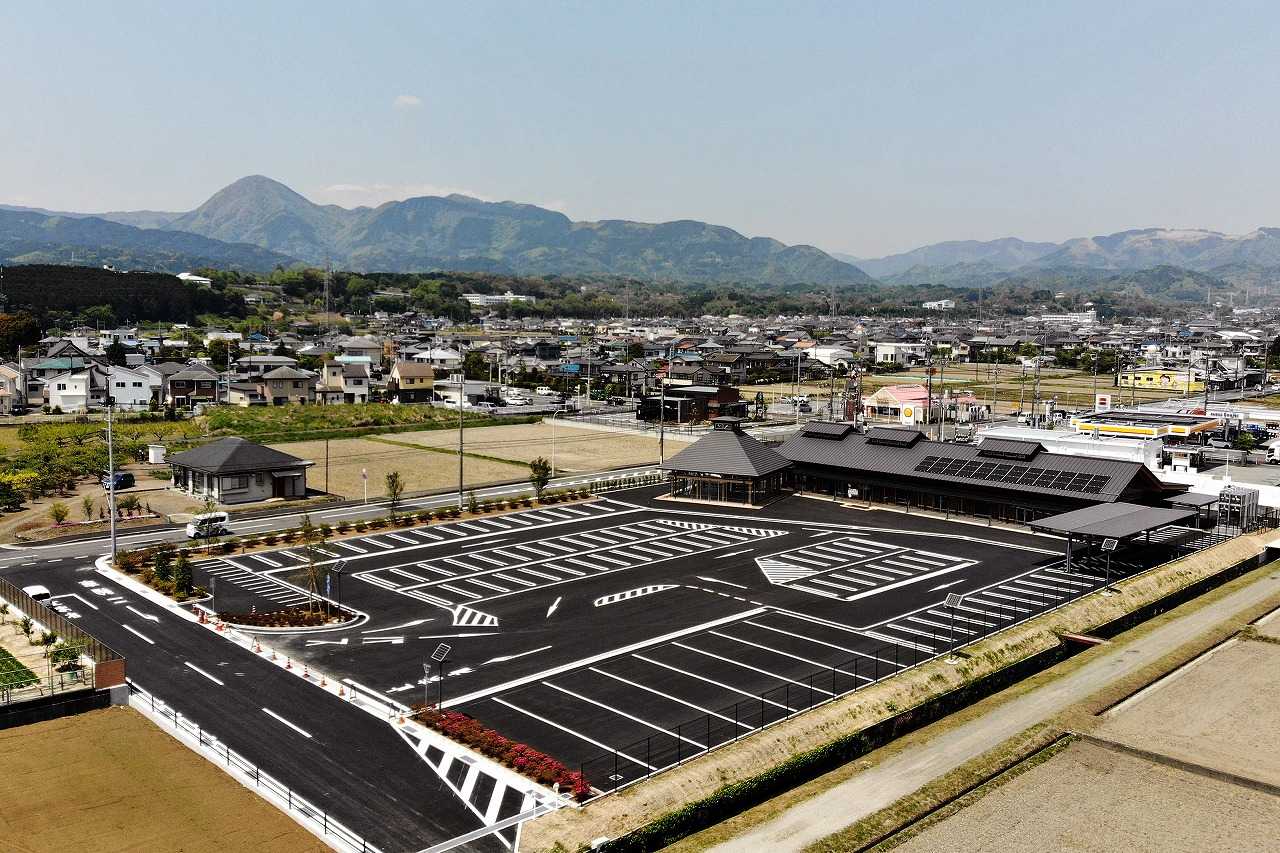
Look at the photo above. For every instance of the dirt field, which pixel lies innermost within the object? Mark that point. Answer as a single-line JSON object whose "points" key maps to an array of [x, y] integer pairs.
{"points": [[422, 470], [575, 449], [111, 781], [1270, 627], [1220, 712], [1089, 798]]}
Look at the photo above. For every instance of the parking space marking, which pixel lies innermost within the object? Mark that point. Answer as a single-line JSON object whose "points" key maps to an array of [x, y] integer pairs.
{"points": [[668, 696], [620, 713], [566, 730], [719, 684], [739, 663]]}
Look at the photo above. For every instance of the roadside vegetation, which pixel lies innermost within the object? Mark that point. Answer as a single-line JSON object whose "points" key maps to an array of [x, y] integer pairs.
{"points": [[299, 423]]}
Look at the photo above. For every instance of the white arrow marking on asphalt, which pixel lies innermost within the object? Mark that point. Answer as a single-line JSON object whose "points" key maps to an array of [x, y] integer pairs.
{"points": [[143, 615], [139, 633], [341, 642], [444, 636], [412, 624], [554, 605], [195, 668], [300, 731]]}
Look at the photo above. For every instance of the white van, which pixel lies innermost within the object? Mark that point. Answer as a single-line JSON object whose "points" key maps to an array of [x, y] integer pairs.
{"points": [[208, 524], [39, 593]]}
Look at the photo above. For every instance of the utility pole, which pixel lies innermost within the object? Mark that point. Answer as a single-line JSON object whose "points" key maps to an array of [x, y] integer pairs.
{"points": [[462, 396], [942, 398], [662, 418], [111, 479]]}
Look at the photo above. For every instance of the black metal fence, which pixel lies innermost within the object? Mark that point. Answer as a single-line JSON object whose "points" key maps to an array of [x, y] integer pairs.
{"points": [[318, 819]]}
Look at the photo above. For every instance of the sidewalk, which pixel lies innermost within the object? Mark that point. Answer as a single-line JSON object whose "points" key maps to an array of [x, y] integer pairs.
{"points": [[900, 775]]}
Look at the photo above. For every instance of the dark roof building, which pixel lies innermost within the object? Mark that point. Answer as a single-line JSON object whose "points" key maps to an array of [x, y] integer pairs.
{"points": [[728, 466], [1005, 479], [234, 470]]}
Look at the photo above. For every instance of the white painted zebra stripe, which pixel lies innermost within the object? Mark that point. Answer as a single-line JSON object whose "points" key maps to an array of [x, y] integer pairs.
{"points": [[614, 598]]}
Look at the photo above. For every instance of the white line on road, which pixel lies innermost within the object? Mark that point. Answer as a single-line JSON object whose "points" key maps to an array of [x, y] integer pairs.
{"points": [[146, 616], [726, 583], [195, 668], [554, 605], [505, 658], [733, 553], [272, 713], [139, 634], [945, 585]]}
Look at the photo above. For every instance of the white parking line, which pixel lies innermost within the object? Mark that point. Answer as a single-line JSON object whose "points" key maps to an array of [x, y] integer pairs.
{"points": [[675, 699], [719, 684], [706, 653], [630, 717], [578, 735]]}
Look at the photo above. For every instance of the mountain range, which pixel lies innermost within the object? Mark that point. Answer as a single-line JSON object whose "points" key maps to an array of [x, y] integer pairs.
{"points": [[257, 223]]}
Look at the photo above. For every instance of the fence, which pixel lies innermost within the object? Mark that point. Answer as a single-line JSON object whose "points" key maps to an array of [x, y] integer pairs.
{"points": [[105, 668], [617, 768], [294, 804], [626, 481]]}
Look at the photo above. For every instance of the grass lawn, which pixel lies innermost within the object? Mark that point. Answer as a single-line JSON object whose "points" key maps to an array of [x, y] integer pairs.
{"points": [[13, 674], [110, 781]]}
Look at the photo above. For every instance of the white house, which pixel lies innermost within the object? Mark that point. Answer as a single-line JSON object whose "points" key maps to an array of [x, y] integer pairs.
{"points": [[71, 391], [445, 359], [130, 387]]}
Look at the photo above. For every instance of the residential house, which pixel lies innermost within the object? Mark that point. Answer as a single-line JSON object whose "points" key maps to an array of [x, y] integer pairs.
{"points": [[343, 383], [287, 385], [130, 388], [196, 383], [411, 382], [234, 470], [256, 365], [11, 393]]}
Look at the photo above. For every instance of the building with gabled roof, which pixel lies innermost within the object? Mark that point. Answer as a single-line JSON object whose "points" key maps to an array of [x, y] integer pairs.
{"points": [[235, 470]]}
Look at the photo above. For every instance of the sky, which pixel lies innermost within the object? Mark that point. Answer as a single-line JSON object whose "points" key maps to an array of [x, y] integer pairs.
{"points": [[858, 127]]}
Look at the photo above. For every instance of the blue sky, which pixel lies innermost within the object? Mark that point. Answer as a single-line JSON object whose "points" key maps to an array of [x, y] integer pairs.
{"points": [[864, 128]]}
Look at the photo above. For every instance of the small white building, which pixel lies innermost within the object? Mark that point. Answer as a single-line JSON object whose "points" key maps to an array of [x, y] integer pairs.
{"points": [[130, 388]]}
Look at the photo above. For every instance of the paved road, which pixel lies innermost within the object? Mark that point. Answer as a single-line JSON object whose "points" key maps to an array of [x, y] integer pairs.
{"points": [[907, 771]]}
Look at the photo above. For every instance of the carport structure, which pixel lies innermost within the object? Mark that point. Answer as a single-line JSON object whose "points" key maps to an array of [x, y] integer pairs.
{"points": [[1120, 521]]}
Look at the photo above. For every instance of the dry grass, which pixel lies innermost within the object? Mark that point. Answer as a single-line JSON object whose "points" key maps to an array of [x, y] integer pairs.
{"points": [[616, 815], [111, 781], [422, 470], [575, 449]]}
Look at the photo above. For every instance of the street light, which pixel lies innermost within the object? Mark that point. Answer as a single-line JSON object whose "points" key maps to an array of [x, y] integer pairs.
{"points": [[441, 652], [337, 569]]}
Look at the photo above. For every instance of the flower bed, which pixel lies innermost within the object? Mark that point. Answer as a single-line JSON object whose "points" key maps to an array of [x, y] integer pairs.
{"points": [[523, 759], [289, 617]]}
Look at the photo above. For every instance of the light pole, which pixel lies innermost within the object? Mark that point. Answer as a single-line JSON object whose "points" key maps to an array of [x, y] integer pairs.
{"points": [[111, 480], [462, 396], [554, 415]]}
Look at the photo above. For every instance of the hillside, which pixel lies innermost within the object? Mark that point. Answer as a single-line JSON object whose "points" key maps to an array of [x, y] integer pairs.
{"points": [[462, 233], [29, 237], [49, 292]]}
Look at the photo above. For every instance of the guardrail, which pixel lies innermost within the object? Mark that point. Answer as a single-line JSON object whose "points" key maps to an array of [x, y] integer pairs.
{"points": [[315, 818]]}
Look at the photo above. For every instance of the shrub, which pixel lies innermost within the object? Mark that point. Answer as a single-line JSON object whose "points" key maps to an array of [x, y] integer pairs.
{"points": [[58, 511], [326, 531], [343, 526], [377, 523], [361, 526], [268, 539]]}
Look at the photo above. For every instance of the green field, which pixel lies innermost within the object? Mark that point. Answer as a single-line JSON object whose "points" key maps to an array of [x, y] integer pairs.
{"points": [[344, 420], [13, 674]]}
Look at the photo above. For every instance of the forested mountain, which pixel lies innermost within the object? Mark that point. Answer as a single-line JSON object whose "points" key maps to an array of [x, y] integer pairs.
{"points": [[462, 233], [53, 293], [28, 237]]}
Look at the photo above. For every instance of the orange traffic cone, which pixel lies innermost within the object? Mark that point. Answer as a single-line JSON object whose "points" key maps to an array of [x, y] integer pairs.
{"points": [[324, 682], [288, 663], [342, 692], [306, 673]]}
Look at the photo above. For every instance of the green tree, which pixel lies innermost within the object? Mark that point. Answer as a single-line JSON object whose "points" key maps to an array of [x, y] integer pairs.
{"points": [[86, 507], [313, 539], [58, 511], [539, 475], [164, 565], [26, 626], [116, 353], [474, 367], [395, 489], [635, 351], [47, 639], [182, 581], [10, 498]]}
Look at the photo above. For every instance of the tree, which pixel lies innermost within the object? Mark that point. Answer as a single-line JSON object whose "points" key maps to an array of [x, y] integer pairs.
{"points": [[116, 353], [395, 489], [10, 499], [47, 639], [182, 581], [26, 626], [58, 512], [86, 507], [539, 475], [635, 351], [474, 366], [164, 565], [313, 539]]}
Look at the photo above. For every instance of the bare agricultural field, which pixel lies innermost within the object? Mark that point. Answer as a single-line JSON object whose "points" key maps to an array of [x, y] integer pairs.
{"points": [[1220, 712], [421, 470], [109, 780], [575, 449], [1091, 798]]}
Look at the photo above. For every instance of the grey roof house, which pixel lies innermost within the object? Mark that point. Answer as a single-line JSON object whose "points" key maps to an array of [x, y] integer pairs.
{"points": [[234, 470]]}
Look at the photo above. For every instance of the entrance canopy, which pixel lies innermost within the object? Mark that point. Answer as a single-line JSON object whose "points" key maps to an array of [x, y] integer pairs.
{"points": [[1112, 521]]}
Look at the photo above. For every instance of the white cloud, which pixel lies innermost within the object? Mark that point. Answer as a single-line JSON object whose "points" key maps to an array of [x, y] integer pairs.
{"points": [[406, 102]]}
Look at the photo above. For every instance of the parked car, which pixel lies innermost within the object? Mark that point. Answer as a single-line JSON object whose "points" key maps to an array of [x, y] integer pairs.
{"points": [[124, 480], [805, 408], [544, 391], [485, 406], [38, 592], [208, 524], [1219, 444]]}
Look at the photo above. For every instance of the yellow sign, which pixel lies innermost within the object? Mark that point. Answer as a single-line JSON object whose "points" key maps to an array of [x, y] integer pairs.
{"points": [[906, 413]]}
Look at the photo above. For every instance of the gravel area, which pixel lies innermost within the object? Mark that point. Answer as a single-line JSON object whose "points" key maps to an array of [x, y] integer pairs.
{"points": [[1090, 799]]}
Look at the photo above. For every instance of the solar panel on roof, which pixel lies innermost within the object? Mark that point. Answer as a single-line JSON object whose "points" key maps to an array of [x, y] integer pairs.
{"points": [[1021, 475]]}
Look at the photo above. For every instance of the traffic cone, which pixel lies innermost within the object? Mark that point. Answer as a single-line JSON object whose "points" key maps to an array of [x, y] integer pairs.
{"points": [[306, 672], [323, 681], [288, 663], [257, 647], [203, 621], [273, 654], [342, 692]]}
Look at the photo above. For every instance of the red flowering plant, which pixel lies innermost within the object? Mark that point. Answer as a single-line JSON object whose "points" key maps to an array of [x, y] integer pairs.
{"points": [[520, 757]]}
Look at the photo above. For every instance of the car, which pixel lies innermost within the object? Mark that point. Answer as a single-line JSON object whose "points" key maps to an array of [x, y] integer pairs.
{"points": [[513, 400], [616, 401], [485, 406], [38, 592], [123, 480], [208, 524], [805, 408], [544, 391], [1219, 444]]}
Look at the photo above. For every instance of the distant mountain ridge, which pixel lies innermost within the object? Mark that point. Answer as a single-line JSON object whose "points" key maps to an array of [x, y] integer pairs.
{"points": [[975, 263]]}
